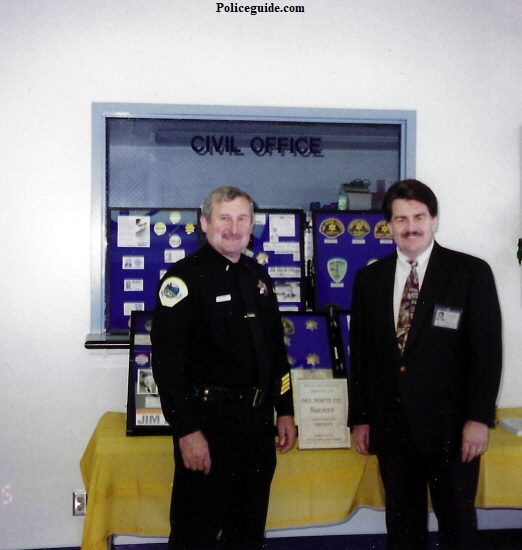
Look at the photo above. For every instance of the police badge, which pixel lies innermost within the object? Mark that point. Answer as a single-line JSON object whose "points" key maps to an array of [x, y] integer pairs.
{"points": [[381, 230], [359, 228], [337, 269], [288, 326], [331, 228]]}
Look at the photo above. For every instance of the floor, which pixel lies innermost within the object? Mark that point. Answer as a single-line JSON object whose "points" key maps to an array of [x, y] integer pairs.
{"points": [[509, 539], [489, 540]]}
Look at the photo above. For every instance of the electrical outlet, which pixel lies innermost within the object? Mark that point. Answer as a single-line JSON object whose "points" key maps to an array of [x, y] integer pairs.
{"points": [[79, 503]]}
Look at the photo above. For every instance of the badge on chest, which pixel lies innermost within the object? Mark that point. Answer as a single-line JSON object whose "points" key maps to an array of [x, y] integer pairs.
{"points": [[445, 317]]}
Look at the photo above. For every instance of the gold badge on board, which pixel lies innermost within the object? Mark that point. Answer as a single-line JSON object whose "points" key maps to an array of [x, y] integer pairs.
{"points": [[331, 228], [381, 230], [288, 326], [359, 228]]}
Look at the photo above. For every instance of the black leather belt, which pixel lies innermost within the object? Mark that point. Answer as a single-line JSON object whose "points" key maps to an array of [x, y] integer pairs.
{"points": [[252, 397]]}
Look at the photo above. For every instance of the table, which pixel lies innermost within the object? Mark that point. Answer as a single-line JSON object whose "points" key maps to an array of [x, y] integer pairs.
{"points": [[129, 479]]}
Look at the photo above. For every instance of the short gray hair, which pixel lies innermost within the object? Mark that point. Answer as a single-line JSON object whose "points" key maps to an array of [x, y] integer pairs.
{"points": [[225, 193]]}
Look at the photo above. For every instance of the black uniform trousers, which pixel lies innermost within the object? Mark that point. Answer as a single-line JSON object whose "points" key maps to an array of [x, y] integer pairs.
{"points": [[226, 508], [407, 474]]}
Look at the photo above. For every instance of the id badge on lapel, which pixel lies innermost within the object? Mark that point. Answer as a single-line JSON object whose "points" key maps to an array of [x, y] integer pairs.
{"points": [[446, 317]]}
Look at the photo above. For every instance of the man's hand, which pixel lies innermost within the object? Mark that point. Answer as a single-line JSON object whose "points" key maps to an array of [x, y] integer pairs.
{"points": [[286, 432], [194, 450], [361, 438], [474, 440]]}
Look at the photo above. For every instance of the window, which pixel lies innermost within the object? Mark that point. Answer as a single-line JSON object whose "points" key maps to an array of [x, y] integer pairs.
{"points": [[165, 158]]}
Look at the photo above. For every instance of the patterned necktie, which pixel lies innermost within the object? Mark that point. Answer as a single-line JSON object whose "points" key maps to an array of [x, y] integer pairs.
{"points": [[410, 294]]}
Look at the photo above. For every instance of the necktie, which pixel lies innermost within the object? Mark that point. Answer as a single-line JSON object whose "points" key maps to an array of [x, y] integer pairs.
{"points": [[410, 294]]}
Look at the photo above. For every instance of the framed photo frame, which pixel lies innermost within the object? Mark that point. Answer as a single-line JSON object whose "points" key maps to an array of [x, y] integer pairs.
{"points": [[144, 414]]}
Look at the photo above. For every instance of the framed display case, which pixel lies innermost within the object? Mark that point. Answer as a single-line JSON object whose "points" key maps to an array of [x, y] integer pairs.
{"points": [[144, 414], [143, 244], [345, 241], [308, 344], [278, 244]]}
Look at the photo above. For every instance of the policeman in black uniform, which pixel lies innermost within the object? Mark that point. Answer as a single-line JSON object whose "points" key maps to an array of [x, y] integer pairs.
{"points": [[221, 367]]}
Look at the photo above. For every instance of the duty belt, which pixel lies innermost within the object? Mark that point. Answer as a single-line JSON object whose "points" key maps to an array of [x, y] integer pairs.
{"points": [[252, 397]]}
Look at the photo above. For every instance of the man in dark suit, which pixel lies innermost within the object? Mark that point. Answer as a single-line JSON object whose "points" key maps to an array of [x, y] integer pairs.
{"points": [[425, 371]]}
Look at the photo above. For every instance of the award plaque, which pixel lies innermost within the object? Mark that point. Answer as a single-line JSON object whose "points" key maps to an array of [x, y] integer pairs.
{"points": [[345, 241], [143, 244], [323, 414], [144, 414]]}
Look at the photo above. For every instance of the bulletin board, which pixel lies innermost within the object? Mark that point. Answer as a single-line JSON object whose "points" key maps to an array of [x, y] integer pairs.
{"points": [[308, 344], [143, 244], [345, 241], [278, 244]]}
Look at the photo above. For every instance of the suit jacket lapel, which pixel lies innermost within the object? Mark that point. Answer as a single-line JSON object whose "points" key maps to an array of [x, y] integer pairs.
{"points": [[384, 300]]}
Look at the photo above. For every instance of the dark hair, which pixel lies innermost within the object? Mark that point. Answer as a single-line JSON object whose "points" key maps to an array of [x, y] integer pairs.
{"points": [[225, 193], [412, 190]]}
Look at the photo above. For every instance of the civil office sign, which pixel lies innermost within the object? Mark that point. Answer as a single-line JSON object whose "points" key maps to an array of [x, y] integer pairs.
{"points": [[302, 146]]}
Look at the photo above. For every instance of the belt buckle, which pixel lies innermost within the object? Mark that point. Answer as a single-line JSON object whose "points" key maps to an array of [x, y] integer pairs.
{"points": [[258, 397]]}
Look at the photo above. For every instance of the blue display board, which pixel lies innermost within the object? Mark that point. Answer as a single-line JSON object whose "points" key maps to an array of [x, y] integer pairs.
{"points": [[144, 414], [313, 342], [278, 244], [143, 244], [345, 241]]}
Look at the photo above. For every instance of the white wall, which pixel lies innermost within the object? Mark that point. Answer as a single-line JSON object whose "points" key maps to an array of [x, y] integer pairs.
{"points": [[458, 63]]}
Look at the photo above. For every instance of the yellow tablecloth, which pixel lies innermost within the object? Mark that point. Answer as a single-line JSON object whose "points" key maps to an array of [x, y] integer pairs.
{"points": [[129, 480]]}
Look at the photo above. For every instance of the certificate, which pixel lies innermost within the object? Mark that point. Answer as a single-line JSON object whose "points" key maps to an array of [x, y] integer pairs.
{"points": [[323, 413]]}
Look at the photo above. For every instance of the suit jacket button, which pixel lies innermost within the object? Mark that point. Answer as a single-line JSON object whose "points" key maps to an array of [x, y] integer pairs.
{"points": [[403, 368]]}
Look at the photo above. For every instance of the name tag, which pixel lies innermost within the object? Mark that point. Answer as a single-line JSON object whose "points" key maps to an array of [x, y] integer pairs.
{"points": [[446, 317], [224, 298]]}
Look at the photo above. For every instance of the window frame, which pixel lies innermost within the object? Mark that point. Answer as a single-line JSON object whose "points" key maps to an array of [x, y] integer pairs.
{"points": [[98, 337]]}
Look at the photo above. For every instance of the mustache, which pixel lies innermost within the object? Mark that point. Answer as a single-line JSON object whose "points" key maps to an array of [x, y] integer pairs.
{"points": [[408, 234]]}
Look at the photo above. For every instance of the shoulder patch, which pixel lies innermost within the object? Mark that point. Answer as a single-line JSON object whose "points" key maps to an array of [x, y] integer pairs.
{"points": [[172, 291]]}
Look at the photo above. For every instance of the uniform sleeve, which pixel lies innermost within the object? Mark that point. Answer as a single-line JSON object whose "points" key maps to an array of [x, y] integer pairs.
{"points": [[484, 335], [284, 402], [170, 335]]}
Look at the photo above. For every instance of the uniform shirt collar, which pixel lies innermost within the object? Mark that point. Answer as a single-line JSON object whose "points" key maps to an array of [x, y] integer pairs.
{"points": [[221, 260]]}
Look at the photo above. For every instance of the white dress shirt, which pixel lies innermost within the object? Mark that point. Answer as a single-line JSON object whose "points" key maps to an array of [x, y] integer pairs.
{"points": [[402, 272]]}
